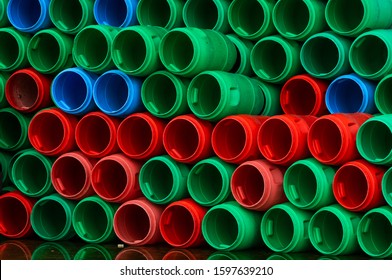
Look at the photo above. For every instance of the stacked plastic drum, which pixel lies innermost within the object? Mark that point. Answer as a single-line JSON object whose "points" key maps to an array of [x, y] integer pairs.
{"points": [[203, 123]]}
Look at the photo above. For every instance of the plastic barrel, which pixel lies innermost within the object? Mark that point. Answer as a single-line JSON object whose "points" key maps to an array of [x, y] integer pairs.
{"points": [[251, 19], [207, 14], [31, 174], [275, 59], [13, 49], [149, 140], [13, 130], [244, 48], [28, 90], [234, 138], [10, 161], [357, 186], [304, 95], [209, 181], [325, 55], [115, 178], [181, 224], [213, 95], [374, 140], [375, 232], [333, 231], [229, 227], [136, 222], [15, 210], [50, 51], [52, 132], [332, 138], [163, 180], [190, 51], [51, 218], [298, 20], [386, 186], [136, 50], [117, 94], [3, 13], [307, 184], [284, 229], [163, 13], [29, 17], [96, 134], [71, 16], [282, 139], [188, 139], [71, 175], [92, 49], [119, 13], [257, 185], [370, 54], [351, 18], [72, 91], [351, 94], [383, 96], [92, 220]]}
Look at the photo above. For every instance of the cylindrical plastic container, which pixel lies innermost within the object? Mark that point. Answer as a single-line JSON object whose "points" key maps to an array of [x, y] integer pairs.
{"points": [[71, 16], [163, 180], [119, 13], [332, 138], [188, 139], [51, 218], [92, 49], [244, 47], [325, 55], [207, 14], [180, 224], [27, 90], [284, 228], [72, 91], [3, 79], [354, 17], [213, 95], [71, 175], [234, 138], [282, 139], [383, 95], [251, 19], [374, 140], [209, 181], [140, 136], [5, 165], [95, 252], [92, 220], [299, 19], [304, 95], [257, 185], [371, 54], [135, 50], [333, 231], [357, 186], [52, 132], [136, 222], [165, 95], [230, 227], [275, 59], [115, 178], [386, 186], [13, 49], [96, 135], [4, 160], [375, 232], [29, 17], [31, 174], [190, 51], [50, 51], [351, 94], [163, 13], [118, 94], [13, 130], [15, 211], [3, 13], [308, 184]]}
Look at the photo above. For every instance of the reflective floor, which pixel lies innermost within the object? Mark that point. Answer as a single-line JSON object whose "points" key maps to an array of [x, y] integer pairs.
{"points": [[39, 250]]}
